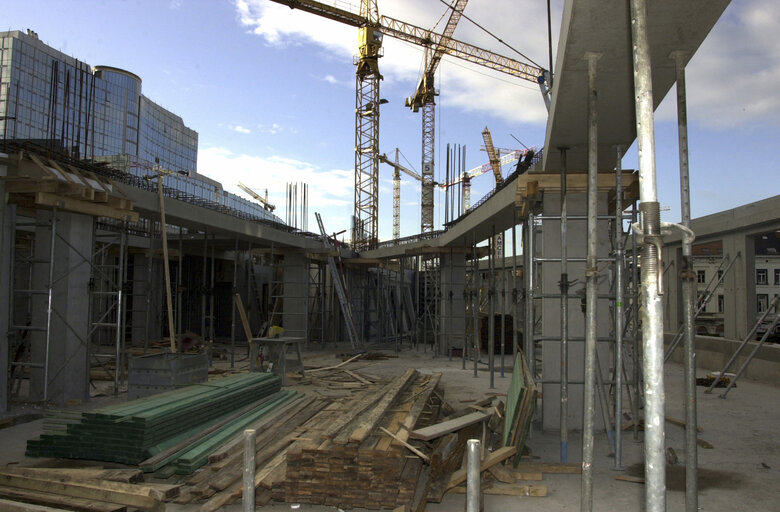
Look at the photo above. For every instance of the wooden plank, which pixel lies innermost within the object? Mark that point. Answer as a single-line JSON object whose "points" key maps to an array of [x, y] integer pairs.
{"points": [[129, 476], [112, 492], [680, 423], [244, 320], [15, 506], [537, 491], [368, 423], [58, 500], [88, 208], [357, 377], [494, 458], [502, 474], [519, 475], [353, 358], [410, 447], [629, 478], [549, 467], [419, 406], [440, 429]]}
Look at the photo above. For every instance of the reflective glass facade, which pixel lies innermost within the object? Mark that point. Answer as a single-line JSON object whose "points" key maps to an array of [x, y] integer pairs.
{"points": [[100, 113], [54, 99]]}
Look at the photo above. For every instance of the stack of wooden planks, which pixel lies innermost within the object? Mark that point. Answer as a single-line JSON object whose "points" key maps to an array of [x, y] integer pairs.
{"points": [[95, 490], [520, 404], [357, 452], [132, 432]]}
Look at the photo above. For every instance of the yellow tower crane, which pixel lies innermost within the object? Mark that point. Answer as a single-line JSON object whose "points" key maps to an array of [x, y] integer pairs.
{"points": [[262, 200], [371, 29]]}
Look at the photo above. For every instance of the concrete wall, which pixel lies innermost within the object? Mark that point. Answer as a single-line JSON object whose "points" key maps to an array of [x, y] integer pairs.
{"points": [[549, 244], [713, 353]]}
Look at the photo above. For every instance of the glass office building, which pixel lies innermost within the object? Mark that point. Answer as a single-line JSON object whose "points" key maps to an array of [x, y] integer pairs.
{"points": [[90, 112]]}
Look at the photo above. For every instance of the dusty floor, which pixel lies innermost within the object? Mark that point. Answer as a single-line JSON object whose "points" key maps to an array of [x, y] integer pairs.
{"points": [[741, 471]]}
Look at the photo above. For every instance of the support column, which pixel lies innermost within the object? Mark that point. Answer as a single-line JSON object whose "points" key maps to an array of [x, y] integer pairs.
{"points": [[294, 303], [6, 245], [651, 245], [66, 378], [453, 305]]}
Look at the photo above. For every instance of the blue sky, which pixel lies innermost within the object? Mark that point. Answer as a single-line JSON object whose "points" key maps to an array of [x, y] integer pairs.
{"points": [[271, 93]]}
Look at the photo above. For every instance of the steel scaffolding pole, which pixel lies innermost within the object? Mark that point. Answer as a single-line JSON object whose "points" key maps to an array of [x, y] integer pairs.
{"points": [[652, 307], [618, 309], [475, 302], [492, 308], [688, 277], [564, 286], [591, 291], [530, 270]]}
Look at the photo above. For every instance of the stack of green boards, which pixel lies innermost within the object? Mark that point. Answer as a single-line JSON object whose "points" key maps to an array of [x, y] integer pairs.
{"points": [[130, 433]]}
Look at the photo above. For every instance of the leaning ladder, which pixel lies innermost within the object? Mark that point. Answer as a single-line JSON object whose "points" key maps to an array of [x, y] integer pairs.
{"points": [[338, 284]]}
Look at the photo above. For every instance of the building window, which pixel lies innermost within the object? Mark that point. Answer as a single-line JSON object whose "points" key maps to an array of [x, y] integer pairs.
{"points": [[777, 276], [762, 302], [761, 276], [700, 276], [721, 303], [720, 274]]}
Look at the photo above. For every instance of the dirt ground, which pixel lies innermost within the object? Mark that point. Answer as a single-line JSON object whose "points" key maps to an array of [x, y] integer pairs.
{"points": [[740, 472]]}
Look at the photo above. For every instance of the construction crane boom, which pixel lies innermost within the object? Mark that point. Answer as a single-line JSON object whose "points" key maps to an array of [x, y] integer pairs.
{"points": [[491, 151], [262, 200], [395, 165], [372, 27]]}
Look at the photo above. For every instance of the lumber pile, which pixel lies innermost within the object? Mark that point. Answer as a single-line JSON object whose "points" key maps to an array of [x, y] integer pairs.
{"points": [[355, 453], [167, 423], [95, 490]]}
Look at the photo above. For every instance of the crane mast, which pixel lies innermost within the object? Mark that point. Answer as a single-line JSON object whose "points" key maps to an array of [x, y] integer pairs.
{"points": [[425, 98], [371, 29]]}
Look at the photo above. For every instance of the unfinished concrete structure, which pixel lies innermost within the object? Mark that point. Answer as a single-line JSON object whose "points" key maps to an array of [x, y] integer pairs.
{"points": [[574, 307]]}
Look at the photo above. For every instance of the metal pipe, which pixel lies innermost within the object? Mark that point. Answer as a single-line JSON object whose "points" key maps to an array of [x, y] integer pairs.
{"points": [[211, 300], [744, 366], [652, 317], [475, 303], [492, 308], [687, 276], [503, 308], [618, 309], [248, 500], [635, 323], [564, 286], [180, 262], [233, 309], [203, 285], [119, 305], [49, 307], [528, 269], [702, 304], [604, 403], [473, 490], [742, 345], [591, 284], [514, 281]]}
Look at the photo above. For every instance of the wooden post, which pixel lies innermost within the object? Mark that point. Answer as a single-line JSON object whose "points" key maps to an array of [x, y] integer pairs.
{"points": [[166, 266]]}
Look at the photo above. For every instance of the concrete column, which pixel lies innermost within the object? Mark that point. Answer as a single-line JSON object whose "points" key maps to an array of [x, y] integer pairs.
{"points": [[549, 243], [739, 287], [453, 306], [67, 372], [146, 301], [295, 301], [6, 234]]}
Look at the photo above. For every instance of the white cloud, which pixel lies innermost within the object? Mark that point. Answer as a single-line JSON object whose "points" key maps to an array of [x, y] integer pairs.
{"points": [[732, 80], [330, 190], [510, 98], [240, 129]]}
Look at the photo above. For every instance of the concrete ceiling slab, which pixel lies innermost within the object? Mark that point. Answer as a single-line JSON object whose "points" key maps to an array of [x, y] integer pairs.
{"points": [[604, 26]]}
